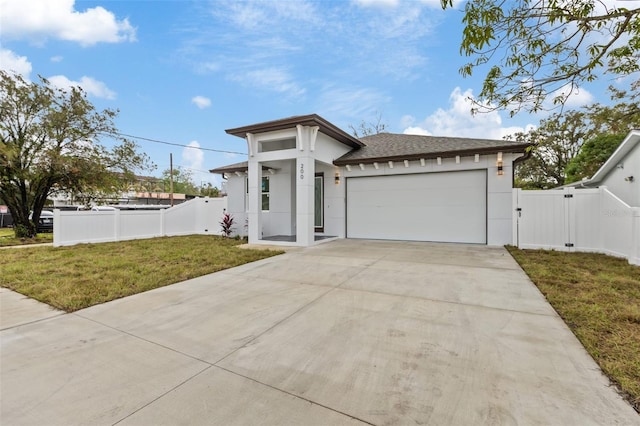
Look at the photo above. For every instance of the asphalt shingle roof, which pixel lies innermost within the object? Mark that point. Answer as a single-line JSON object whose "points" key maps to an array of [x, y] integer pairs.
{"points": [[396, 147], [391, 146]]}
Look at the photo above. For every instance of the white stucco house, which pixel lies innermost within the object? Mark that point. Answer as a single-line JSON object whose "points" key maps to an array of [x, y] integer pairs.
{"points": [[307, 181], [620, 174]]}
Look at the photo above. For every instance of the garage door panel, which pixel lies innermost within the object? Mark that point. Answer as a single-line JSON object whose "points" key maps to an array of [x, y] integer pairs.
{"points": [[447, 207]]}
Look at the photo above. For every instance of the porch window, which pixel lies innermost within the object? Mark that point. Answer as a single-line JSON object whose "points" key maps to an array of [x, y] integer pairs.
{"points": [[264, 190], [265, 193]]}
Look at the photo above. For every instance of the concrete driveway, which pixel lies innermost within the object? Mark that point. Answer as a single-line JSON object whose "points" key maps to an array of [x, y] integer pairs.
{"points": [[349, 332]]}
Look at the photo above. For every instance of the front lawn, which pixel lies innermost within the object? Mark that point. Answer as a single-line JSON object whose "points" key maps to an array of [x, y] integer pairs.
{"points": [[72, 278], [598, 296]]}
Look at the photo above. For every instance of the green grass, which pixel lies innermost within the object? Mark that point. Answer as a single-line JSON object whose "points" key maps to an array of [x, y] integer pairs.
{"points": [[598, 296], [72, 278], [7, 238]]}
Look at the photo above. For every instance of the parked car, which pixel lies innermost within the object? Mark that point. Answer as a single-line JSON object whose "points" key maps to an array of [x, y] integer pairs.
{"points": [[45, 224]]}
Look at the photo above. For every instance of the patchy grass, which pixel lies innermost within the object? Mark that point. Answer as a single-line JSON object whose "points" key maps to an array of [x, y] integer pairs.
{"points": [[598, 296], [7, 238], [72, 278]]}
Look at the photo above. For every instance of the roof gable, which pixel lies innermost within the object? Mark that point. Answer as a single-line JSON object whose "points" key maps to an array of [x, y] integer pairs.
{"points": [[305, 120]]}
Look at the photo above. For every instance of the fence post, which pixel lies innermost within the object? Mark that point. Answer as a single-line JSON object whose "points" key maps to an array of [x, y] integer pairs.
{"points": [[569, 219], [116, 224], [163, 232], [634, 255], [515, 216]]}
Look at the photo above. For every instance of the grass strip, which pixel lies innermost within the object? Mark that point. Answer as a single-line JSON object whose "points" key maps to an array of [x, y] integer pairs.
{"points": [[598, 296], [7, 238], [72, 278]]}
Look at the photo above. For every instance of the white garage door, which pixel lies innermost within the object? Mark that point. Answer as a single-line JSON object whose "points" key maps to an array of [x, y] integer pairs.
{"points": [[445, 207]]}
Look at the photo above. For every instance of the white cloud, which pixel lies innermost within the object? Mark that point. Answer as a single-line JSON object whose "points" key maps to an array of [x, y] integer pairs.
{"points": [[576, 98], [201, 102], [395, 3], [273, 79], [355, 103], [90, 85], [458, 121], [377, 3], [267, 15], [56, 58], [193, 158], [9, 61], [37, 20]]}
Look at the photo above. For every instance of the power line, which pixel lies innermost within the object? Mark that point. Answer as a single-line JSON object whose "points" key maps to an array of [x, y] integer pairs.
{"points": [[180, 145]]}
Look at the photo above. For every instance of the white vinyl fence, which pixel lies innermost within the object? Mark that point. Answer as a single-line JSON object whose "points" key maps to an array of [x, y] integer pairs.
{"points": [[197, 216], [570, 219]]}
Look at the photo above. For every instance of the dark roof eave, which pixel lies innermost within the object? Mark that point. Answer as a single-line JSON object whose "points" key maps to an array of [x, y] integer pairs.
{"points": [[432, 155], [223, 170], [306, 120]]}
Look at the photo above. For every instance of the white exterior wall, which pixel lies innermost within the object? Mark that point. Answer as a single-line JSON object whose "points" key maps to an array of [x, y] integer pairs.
{"points": [[277, 220], [499, 188], [334, 201], [627, 191], [236, 202]]}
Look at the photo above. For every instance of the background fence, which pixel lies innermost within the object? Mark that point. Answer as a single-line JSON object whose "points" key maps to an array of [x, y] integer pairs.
{"points": [[570, 219], [197, 216]]}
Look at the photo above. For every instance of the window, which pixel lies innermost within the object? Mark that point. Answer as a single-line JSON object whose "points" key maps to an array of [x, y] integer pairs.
{"points": [[265, 193], [264, 190]]}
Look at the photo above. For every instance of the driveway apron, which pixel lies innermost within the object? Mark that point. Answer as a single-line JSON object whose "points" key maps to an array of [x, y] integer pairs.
{"points": [[347, 332]]}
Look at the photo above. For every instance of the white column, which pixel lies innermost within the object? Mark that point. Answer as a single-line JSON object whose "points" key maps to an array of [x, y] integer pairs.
{"points": [[255, 201], [305, 173]]}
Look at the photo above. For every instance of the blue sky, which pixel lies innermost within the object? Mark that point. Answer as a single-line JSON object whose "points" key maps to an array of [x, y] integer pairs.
{"points": [[183, 71]]}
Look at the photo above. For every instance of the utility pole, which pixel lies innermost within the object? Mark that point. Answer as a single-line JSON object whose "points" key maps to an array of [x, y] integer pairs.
{"points": [[171, 179]]}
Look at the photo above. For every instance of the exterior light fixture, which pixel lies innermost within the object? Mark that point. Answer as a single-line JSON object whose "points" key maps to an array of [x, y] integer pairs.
{"points": [[499, 164], [337, 178]]}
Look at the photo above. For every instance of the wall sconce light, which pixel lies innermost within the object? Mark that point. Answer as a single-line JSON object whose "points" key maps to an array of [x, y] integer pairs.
{"points": [[629, 178], [337, 178], [500, 168]]}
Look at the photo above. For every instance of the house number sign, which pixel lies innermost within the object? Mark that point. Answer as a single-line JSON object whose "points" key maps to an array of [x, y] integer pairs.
{"points": [[301, 171]]}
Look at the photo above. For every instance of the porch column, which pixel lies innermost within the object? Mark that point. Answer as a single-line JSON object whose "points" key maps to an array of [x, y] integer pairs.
{"points": [[255, 201], [305, 173]]}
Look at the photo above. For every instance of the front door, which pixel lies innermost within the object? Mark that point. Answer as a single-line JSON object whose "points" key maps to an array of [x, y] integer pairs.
{"points": [[318, 216]]}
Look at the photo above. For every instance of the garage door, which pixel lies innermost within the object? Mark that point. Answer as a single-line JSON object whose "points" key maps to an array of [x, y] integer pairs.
{"points": [[444, 207]]}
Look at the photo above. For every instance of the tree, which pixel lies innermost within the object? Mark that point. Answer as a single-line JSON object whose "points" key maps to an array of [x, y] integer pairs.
{"points": [[540, 48], [209, 190], [592, 156], [49, 141], [370, 128], [182, 181], [554, 143], [573, 145]]}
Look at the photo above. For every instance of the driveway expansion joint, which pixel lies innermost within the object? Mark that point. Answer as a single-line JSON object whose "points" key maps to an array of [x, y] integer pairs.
{"points": [[296, 396]]}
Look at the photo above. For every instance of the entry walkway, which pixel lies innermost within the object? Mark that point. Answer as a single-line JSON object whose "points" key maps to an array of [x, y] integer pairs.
{"points": [[347, 332]]}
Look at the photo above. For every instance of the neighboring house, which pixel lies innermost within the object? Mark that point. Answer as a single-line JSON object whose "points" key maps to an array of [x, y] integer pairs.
{"points": [[620, 173], [306, 180]]}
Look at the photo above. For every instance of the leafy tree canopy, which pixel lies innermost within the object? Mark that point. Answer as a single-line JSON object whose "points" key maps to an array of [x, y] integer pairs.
{"points": [[572, 145], [49, 141], [182, 181], [539, 48], [592, 156]]}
